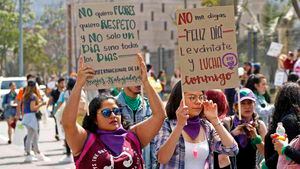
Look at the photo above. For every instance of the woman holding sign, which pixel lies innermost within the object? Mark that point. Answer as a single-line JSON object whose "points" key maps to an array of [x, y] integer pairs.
{"points": [[192, 133], [249, 132], [102, 142]]}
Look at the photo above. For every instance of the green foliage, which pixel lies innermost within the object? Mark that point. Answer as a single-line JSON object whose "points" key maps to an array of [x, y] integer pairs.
{"points": [[270, 17], [210, 2], [54, 21]]}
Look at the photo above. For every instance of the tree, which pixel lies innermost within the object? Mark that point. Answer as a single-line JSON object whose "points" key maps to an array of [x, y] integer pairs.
{"points": [[34, 39], [296, 7], [53, 20], [8, 30]]}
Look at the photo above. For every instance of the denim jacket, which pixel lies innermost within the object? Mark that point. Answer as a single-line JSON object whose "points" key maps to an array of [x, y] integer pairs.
{"points": [[129, 119]]}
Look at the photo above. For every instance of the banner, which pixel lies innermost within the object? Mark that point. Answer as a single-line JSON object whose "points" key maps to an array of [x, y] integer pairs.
{"points": [[107, 34], [207, 48], [275, 49]]}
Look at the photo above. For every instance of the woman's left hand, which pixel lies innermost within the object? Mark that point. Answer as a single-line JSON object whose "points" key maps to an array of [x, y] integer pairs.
{"points": [[210, 110], [143, 68], [252, 130]]}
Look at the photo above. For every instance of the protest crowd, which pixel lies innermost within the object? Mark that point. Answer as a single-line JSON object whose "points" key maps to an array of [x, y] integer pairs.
{"points": [[160, 123]]}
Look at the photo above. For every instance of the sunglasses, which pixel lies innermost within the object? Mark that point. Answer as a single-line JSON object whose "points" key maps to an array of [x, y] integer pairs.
{"points": [[107, 112]]}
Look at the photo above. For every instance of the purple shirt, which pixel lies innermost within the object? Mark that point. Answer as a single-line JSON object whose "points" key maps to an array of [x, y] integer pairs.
{"points": [[95, 155]]}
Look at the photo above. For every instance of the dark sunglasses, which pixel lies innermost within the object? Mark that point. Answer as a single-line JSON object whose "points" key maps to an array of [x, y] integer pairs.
{"points": [[107, 112]]}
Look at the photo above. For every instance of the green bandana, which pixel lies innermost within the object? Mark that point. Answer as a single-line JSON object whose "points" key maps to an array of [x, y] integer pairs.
{"points": [[133, 103]]}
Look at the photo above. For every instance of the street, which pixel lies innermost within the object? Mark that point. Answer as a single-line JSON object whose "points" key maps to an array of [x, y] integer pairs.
{"points": [[12, 156]]}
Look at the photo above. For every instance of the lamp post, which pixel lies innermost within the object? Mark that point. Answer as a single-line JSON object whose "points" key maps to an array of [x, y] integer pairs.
{"points": [[20, 57]]}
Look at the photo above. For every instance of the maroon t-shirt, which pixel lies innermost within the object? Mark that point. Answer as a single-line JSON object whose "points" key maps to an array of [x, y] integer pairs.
{"points": [[96, 156]]}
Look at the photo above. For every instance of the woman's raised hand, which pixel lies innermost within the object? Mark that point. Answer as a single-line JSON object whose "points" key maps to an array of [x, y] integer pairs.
{"points": [[182, 114], [143, 68], [84, 72], [210, 110]]}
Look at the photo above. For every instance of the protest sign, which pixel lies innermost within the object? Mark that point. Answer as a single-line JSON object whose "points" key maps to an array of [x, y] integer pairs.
{"points": [[275, 49], [280, 77], [207, 48], [107, 34]]}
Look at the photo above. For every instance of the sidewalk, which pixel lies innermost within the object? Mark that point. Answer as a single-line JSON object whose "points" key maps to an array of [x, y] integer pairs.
{"points": [[12, 156]]}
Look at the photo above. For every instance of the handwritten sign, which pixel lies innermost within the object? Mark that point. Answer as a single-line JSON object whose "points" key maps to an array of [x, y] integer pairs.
{"points": [[207, 48], [280, 78], [109, 43], [275, 49]]}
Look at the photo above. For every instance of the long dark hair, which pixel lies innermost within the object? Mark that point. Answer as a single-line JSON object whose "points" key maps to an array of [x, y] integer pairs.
{"points": [[287, 101], [174, 101], [253, 80], [89, 120]]}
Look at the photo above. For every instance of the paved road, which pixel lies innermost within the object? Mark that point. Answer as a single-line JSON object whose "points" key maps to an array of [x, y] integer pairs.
{"points": [[12, 156]]}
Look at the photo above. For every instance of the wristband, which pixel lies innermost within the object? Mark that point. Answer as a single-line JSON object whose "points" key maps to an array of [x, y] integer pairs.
{"points": [[283, 149], [256, 140], [219, 123]]}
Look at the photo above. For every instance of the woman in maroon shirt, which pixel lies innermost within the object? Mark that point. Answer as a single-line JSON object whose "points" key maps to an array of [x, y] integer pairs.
{"points": [[102, 142]]}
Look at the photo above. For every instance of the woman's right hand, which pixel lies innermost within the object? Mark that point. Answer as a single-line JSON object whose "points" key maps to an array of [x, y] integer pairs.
{"points": [[182, 115], [84, 73], [238, 130]]}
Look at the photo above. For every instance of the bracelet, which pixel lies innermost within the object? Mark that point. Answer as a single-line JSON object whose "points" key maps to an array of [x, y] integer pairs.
{"points": [[283, 149], [219, 123], [256, 140]]}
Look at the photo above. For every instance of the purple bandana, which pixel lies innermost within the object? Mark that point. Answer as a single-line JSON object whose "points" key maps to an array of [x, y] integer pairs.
{"points": [[113, 140], [193, 127], [242, 139]]}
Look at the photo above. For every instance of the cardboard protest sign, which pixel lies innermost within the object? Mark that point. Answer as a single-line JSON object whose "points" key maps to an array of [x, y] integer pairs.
{"points": [[207, 48], [275, 49], [107, 34], [280, 77]]}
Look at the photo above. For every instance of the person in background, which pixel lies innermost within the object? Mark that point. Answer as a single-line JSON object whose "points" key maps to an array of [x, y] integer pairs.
{"points": [[218, 97], [102, 131], [175, 78], [280, 61], [292, 77], [163, 81], [31, 104], [289, 62], [10, 109], [39, 79], [135, 110], [289, 153], [50, 85], [249, 132], [191, 133], [287, 108], [258, 84], [248, 69], [63, 99], [54, 95], [296, 68], [256, 68]]}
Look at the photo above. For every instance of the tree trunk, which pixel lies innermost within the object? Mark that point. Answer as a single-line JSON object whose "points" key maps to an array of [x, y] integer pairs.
{"points": [[296, 7]]}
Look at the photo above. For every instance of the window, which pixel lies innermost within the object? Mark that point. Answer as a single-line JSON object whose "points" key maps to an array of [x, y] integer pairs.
{"points": [[163, 7], [195, 5], [142, 7], [165, 25], [19, 84], [152, 16], [138, 34], [172, 35], [146, 25]]}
